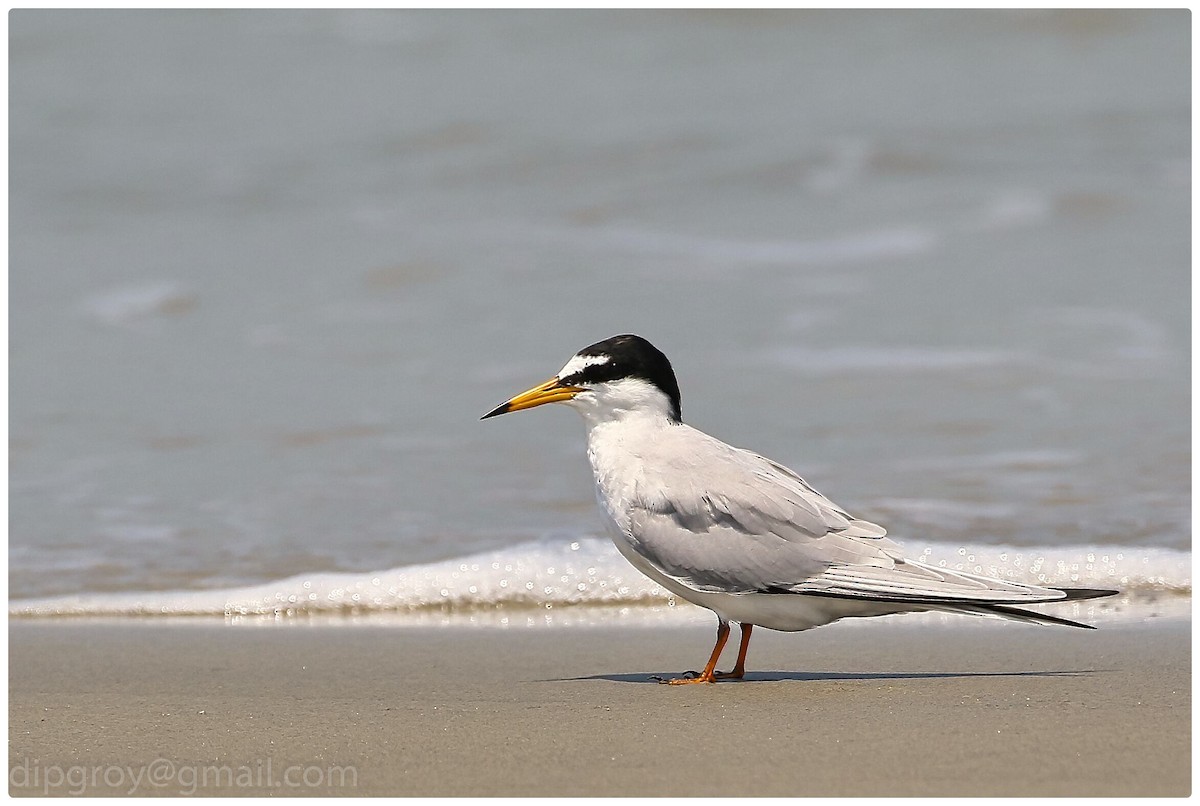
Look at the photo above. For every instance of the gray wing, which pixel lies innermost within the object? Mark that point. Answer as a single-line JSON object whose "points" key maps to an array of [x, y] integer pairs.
{"points": [[717, 518]]}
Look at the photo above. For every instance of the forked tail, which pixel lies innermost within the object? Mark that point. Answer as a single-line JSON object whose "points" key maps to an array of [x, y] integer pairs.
{"points": [[1029, 616]]}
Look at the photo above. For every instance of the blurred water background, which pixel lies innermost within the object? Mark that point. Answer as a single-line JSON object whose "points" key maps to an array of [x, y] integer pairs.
{"points": [[267, 269]]}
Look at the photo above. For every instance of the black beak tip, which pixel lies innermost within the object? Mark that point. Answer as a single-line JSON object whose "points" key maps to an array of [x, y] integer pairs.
{"points": [[496, 412]]}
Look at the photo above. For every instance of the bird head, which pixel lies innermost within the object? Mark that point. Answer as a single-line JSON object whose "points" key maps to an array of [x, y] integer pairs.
{"points": [[610, 379]]}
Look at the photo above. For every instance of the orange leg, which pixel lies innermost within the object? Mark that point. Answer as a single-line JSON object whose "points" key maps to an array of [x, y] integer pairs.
{"points": [[739, 669], [707, 675]]}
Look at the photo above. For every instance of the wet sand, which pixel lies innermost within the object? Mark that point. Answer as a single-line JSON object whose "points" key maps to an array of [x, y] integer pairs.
{"points": [[876, 708]]}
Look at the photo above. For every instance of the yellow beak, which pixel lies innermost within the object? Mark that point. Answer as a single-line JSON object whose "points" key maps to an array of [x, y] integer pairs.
{"points": [[549, 392]]}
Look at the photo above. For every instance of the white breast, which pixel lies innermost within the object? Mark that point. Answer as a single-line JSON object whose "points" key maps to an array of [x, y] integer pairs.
{"points": [[617, 469]]}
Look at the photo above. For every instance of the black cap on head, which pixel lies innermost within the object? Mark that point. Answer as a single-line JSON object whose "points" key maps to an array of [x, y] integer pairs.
{"points": [[630, 356]]}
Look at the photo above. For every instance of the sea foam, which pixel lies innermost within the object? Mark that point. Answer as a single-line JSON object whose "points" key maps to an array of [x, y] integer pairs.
{"points": [[588, 575]]}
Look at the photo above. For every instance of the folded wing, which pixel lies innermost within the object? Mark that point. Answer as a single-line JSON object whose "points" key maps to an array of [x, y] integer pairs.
{"points": [[744, 524]]}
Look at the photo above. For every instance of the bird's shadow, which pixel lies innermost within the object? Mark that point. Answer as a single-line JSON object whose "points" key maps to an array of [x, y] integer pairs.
{"points": [[810, 677]]}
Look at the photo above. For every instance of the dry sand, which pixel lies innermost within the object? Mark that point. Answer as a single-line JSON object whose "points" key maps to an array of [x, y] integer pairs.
{"points": [[875, 708]]}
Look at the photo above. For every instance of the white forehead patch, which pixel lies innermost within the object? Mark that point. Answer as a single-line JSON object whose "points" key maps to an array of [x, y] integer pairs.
{"points": [[578, 362]]}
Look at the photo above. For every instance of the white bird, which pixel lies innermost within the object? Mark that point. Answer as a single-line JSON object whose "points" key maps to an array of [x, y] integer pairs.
{"points": [[735, 532]]}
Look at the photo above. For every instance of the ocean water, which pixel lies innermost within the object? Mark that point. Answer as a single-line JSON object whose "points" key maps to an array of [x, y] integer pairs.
{"points": [[267, 269]]}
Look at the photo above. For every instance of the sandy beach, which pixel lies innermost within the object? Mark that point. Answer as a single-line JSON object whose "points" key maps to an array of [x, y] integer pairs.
{"points": [[878, 708]]}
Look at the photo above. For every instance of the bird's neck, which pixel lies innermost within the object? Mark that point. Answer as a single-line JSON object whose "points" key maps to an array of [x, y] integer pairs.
{"points": [[625, 423], [617, 446]]}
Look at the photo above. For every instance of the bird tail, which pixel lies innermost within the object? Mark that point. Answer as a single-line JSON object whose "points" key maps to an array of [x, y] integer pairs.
{"points": [[1029, 616]]}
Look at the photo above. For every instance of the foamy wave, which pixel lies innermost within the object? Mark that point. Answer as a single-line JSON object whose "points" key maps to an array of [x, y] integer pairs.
{"points": [[891, 359], [130, 304], [587, 573], [856, 247]]}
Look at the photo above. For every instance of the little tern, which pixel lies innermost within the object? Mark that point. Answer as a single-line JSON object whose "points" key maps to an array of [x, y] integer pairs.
{"points": [[736, 532]]}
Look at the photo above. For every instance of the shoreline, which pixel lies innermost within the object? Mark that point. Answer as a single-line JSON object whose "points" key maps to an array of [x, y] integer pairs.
{"points": [[884, 708], [1123, 609]]}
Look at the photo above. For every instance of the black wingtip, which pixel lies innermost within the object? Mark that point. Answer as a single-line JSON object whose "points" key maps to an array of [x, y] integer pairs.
{"points": [[1085, 593], [496, 412]]}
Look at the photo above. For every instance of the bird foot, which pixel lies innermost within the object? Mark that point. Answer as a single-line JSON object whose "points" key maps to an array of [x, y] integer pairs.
{"points": [[736, 674], [688, 677]]}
